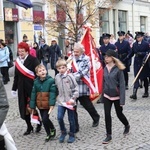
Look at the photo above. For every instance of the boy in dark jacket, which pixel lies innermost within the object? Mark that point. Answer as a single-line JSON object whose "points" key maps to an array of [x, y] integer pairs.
{"points": [[43, 96]]}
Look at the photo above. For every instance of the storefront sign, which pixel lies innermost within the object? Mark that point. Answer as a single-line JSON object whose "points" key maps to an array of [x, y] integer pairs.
{"points": [[11, 14], [37, 27]]}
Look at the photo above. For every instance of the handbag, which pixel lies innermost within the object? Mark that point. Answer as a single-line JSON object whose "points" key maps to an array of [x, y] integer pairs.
{"points": [[10, 63]]}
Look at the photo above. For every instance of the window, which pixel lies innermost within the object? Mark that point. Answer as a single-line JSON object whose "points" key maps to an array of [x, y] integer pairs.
{"points": [[143, 23], [122, 18], [37, 7], [9, 5], [104, 20]]}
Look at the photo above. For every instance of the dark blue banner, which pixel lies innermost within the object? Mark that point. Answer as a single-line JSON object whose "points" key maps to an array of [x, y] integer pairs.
{"points": [[22, 3]]}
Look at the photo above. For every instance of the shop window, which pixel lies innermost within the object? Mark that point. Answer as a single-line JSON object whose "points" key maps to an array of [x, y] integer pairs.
{"points": [[104, 20], [143, 23], [122, 18]]}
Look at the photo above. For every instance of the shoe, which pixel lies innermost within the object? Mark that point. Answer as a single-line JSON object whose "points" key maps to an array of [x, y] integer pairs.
{"points": [[62, 137], [127, 87], [107, 139], [53, 133], [38, 127], [77, 130], [5, 83], [126, 130], [145, 95], [47, 138], [29, 130], [71, 139], [95, 123]]}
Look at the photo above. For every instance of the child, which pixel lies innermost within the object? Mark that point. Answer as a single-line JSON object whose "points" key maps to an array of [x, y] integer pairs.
{"points": [[114, 92], [68, 92], [43, 96]]}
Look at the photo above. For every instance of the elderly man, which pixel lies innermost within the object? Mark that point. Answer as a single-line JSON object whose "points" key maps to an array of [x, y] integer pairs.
{"points": [[80, 69]]}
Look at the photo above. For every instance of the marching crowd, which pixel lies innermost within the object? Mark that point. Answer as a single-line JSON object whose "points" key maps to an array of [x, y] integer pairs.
{"points": [[38, 90]]}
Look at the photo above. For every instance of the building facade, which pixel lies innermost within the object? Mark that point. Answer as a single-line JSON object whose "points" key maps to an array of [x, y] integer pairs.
{"points": [[133, 15]]}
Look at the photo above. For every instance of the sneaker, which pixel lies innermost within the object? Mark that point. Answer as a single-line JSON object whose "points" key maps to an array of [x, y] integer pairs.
{"points": [[62, 137], [53, 133], [126, 130], [95, 123], [47, 138], [107, 139], [71, 139]]}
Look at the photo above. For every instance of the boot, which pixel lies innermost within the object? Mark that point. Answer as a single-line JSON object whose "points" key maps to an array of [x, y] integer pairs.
{"points": [[29, 126], [71, 138], [62, 137], [146, 94], [107, 139], [126, 130], [38, 127], [53, 133], [134, 96]]}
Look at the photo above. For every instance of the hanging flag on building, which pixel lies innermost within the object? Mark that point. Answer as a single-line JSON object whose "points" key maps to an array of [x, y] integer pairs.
{"points": [[22, 3], [96, 71]]}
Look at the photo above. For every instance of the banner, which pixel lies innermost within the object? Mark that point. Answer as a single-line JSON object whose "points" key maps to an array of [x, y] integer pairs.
{"points": [[96, 70], [22, 3]]}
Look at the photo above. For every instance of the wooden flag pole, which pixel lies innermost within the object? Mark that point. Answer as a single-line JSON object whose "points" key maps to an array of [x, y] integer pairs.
{"points": [[140, 70]]}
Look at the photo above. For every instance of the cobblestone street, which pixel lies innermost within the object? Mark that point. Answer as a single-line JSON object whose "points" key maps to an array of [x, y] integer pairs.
{"points": [[88, 138]]}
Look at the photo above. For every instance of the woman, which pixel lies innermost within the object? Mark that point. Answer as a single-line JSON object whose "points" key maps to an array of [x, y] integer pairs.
{"points": [[55, 54], [114, 92], [23, 81], [4, 59], [38, 53]]}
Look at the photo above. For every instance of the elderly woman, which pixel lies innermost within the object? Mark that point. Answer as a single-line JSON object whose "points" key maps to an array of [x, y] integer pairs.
{"points": [[23, 81], [81, 69], [4, 58]]}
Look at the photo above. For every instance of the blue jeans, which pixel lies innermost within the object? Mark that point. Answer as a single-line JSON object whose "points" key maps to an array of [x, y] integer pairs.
{"points": [[60, 117]]}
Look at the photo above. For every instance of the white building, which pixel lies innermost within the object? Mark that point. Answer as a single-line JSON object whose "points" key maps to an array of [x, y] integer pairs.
{"points": [[133, 15]]}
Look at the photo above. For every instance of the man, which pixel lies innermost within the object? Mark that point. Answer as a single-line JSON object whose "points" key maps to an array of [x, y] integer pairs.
{"points": [[44, 51], [80, 69], [3, 111], [25, 38], [140, 49], [106, 46], [124, 49]]}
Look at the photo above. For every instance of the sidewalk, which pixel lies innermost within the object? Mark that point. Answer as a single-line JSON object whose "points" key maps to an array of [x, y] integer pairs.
{"points": [[138, 113]]}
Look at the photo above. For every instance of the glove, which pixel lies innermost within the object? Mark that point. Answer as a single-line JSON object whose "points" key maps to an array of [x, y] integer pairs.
{"points": [[140, 53], [14, 93]]}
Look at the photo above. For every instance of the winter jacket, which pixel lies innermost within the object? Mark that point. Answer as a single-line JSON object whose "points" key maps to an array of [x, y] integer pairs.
{"points": [[54, 53], [43, 93], [3, 103], [44, 51], [67, 88], [4, 56], [114, 83]]}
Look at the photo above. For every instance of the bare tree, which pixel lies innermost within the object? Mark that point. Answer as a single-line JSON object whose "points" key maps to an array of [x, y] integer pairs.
{"points": [[70, 15]]}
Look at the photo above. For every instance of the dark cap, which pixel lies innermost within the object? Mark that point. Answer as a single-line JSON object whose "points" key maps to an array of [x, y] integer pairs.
{"points": [[139, 34], [106, 35], [121, 33], [111, 53]]}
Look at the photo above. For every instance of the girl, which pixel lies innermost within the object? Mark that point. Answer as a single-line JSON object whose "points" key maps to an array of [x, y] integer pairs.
{"points": [[114, 92]]}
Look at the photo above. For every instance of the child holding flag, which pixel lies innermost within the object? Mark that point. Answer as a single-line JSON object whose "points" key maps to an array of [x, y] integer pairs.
{"points": [[114, 92], [43, 96], [68, 92]]}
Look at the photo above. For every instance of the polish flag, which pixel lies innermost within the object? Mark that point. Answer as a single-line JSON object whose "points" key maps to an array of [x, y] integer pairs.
{"points": [[96, 70]]}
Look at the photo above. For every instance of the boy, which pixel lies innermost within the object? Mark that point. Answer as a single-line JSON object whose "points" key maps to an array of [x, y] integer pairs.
{"points": [[43, 96], [68, 92]]}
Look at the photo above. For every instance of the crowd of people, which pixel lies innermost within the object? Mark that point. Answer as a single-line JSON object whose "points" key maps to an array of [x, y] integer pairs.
{"points": [[38, 90]]}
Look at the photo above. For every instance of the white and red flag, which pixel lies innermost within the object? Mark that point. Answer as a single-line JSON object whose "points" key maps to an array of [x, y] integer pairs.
{"points": [[96, 70]]}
